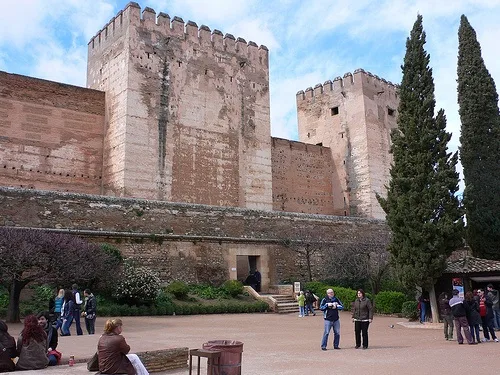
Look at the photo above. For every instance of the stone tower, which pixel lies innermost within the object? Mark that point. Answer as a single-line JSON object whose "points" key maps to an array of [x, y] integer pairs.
{"points": [[187, 111], [353, 116]]}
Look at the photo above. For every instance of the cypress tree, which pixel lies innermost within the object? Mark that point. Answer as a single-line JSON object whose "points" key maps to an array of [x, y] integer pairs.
{"points": [[422, 210], [480, 146]]}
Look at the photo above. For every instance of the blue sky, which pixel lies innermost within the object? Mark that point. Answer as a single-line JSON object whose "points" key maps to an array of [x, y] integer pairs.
{"points": [[309, 41]]}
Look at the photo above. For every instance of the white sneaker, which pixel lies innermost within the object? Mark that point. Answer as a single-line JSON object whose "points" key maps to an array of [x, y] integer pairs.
{"points": [[496, 340], [485, 340]]}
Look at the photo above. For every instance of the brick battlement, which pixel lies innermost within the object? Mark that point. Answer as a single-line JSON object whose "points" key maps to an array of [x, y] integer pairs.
{"points": [[295, 145], [131, 16], [346, 83]]}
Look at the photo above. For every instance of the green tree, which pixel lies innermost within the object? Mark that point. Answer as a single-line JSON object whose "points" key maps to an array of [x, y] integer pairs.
{"points": [[480, 145], [422, 209]]}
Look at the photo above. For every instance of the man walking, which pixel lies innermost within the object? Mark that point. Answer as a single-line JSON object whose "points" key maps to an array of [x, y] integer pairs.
{"points": [[460, 318], [330, 305]]}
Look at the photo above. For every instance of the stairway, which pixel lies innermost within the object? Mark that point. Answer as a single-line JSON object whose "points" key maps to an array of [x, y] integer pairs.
{"points": [[286, 304]]}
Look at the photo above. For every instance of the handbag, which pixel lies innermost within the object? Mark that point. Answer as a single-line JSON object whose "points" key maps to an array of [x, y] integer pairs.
{"points": [[93, 363], [90, 316]]}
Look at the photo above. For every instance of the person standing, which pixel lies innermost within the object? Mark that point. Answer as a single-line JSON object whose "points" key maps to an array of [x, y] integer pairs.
{"points": [[424, 303], [495, 299], [90, 311], [486, 312], [78, 308], [331, 305], [301, 299], [459, 313], [8, 351], [258, 280], [362, 316], [445, 311], [310, 300], [68, 311], [58, 302], [473, 317]]}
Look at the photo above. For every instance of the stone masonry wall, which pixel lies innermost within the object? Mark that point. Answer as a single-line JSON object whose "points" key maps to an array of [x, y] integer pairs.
{"points": [[188, 111], [187, 241], [353, 116], [50, 135], [302, 178]]}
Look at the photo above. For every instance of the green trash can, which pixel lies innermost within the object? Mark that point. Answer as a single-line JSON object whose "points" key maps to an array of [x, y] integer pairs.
{"points": [[230, 358]]}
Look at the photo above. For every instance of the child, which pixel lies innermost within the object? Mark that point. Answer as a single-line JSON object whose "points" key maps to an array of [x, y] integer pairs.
{"points": [[301, 299]]}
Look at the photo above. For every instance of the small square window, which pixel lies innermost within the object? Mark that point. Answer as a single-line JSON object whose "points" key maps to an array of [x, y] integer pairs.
{"points": [[391, 112], [335, 111]]}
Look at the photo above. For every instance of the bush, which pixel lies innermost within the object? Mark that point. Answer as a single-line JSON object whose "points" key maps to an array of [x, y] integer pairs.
{"points": [[389, 302], [179, 289], [138, 286], [233, 287], [208, 291], [409, 310]]}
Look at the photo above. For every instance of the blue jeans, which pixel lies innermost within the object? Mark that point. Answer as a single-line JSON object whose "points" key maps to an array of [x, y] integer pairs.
{"points": [[423, 310], [301, 310], [475, 330], [309, 308], [66, 325], [336, 333], [496, 320]]}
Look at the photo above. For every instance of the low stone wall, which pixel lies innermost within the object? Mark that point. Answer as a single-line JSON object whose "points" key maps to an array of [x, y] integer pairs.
{"points": [[154, 360], [164, 359]]}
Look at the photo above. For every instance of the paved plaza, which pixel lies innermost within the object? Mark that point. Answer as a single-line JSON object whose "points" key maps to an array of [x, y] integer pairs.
{"points": [[289, 345]]}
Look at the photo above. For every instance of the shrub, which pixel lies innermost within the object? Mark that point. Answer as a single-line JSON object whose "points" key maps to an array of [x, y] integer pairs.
{"points": [[179, 289], [389, 302], [409, 310], [4, 298], [233, 287], [208, 291], [163, 304], [139, 285]]}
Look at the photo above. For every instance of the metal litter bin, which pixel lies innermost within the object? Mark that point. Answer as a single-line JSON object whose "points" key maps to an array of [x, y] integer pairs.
{"points": [[230, 359]]}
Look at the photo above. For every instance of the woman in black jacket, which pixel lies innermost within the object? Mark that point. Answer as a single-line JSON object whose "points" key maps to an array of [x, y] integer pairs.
{"points": [[90, 311], [7, 349], [473, 317], [362, 316]]}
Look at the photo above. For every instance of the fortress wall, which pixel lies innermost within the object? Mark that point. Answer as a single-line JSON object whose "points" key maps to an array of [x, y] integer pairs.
{"points": [[182, 240], [107, 68], [334, 114], [381, 107], [196, 123], [302, 178], [51, 135]]}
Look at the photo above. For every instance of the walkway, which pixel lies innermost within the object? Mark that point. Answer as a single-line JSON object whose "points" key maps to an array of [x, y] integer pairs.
{"points": [[289, 345]]}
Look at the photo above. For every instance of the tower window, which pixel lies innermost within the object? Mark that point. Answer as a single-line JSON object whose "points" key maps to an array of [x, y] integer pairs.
{"points": [[391, 112], [335, 111]]}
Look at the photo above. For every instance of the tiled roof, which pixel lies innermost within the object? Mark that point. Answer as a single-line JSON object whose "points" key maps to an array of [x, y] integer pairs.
{"points": [[470, 264]]}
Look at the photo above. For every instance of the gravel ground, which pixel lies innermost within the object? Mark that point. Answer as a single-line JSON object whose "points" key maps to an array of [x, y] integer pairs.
{"points": [[286, 345]]}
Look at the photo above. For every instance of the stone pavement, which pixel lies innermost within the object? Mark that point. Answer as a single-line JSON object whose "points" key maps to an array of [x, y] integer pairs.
{"points": [[289, 345]]}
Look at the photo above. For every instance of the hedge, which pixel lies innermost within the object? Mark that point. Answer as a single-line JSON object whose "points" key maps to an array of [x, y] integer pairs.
{"points": [[389, 302]]}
